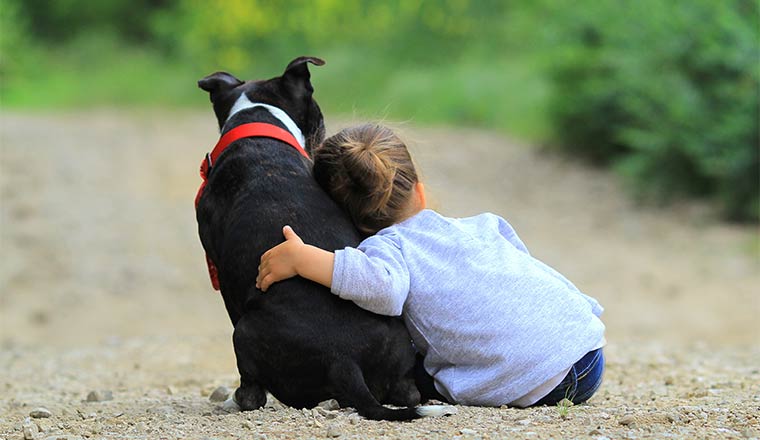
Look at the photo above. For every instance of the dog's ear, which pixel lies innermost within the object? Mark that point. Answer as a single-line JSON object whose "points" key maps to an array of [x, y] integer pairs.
{"points": [[297, 77], [219, 81]]}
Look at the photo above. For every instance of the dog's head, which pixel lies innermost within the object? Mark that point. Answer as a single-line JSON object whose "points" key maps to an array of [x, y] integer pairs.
{"points": [[292, 92]]}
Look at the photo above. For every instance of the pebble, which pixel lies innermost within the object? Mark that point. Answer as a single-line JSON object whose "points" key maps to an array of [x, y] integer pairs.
{"points": [[467, 431], [99, 396], [595, 432], [325, 413], [627, 420], [248, 424], [330, 405], [40, 413], [220, 394], [353, 419], [29, 429], [334, 431]]}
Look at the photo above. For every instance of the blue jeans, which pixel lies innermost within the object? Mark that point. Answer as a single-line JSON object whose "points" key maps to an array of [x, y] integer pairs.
{"points": [[581, 382]]}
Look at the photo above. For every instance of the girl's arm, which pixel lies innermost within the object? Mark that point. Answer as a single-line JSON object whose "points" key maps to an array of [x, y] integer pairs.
{"points": [[292, 258], [374, 276]]}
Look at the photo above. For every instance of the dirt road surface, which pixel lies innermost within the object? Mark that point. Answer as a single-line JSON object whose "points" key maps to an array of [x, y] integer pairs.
{"points": [[103, 288]]}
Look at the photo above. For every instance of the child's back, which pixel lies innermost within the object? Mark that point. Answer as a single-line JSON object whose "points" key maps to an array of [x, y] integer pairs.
{"points": [[493, 322]]}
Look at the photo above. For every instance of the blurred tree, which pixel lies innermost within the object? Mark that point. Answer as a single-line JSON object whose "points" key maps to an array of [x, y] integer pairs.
{"points": [[61, 20], [668, 93]]}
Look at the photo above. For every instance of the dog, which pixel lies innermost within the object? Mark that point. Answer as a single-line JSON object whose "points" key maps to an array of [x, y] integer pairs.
{"points": [[298, 341]]}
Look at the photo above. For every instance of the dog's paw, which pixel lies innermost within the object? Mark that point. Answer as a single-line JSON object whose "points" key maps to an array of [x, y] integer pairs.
{"points": [[436, 410], [230, 405]]}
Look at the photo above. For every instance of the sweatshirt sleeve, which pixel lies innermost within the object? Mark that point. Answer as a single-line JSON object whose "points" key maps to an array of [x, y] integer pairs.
{"points": [[374, 276]]}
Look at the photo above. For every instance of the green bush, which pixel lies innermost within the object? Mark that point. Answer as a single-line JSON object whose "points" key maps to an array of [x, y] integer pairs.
{"points": [[667, 93]]}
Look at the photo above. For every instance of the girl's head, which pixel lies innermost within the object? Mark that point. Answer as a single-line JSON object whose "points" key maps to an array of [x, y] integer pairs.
{"points": [[368, 170]]}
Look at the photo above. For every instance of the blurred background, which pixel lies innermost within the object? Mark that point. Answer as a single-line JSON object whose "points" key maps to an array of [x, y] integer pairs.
{"points": [[663, 92], [619, 138]]}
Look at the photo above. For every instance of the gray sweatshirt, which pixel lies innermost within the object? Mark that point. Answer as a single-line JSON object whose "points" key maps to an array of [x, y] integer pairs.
{"points": [[493, 322]]}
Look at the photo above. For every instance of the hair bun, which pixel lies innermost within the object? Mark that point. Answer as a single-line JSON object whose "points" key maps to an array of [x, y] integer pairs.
{"points": [[367, 169]]}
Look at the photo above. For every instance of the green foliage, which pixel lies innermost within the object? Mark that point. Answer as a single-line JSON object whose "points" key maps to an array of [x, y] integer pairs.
{"points": [[667, 92]]}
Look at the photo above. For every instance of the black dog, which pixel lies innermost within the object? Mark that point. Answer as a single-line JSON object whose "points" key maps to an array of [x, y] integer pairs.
{"points": [[298, 340]]}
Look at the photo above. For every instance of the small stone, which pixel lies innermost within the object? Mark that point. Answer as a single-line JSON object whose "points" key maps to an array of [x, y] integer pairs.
{"points": [[523, 422], [29, 429], [334, 431], [353, 419], [99, 396], [274, 404], [627, 420], [248, 424], [325, 413], [749, 433], [669, 380], [467, 431], [220, 394], [260, 437], [595, 432], [40, 413], [330, 405], [170, 390]]}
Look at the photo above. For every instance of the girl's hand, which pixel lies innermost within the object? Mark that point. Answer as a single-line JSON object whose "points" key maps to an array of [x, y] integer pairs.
{"points": [[282, 261]]}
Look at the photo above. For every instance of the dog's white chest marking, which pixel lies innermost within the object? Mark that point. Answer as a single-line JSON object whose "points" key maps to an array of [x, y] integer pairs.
{"points": [[244, 103]]}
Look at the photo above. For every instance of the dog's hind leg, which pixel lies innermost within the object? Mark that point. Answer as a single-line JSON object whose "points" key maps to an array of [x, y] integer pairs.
{"points": [[251, 394]]}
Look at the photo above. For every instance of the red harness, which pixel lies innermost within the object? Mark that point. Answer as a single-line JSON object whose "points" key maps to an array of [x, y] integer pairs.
{"points": [[253, 129]]}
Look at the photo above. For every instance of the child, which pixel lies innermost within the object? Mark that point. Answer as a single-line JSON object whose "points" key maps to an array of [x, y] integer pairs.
{"points": [[495, 325]]}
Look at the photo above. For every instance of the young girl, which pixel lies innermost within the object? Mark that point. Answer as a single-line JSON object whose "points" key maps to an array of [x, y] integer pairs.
{"points": [[495, 325]]}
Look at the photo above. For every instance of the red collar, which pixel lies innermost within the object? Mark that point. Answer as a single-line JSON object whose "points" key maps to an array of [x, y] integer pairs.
{"points": [[253, 129]]}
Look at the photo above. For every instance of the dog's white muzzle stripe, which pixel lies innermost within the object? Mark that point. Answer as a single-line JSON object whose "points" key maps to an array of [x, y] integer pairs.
{"points": [[244, 103]]}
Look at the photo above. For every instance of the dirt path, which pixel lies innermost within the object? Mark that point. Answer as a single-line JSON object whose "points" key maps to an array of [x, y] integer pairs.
{"points": [[103, 287]]}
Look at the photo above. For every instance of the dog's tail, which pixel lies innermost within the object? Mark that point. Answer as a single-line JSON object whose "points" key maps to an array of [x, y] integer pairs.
{"points": [[348, 380], [380, 412]]}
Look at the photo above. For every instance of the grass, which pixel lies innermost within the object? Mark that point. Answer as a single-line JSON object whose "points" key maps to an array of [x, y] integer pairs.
{"points": [[96, 74], [563, 407], [508, 95]]}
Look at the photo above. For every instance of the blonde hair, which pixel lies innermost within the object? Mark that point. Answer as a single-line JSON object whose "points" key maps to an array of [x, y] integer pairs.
{"points": [[367, 169]]}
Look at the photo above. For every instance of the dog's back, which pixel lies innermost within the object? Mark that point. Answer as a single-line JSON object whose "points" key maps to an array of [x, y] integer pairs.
{"points": [[298, 340]]}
